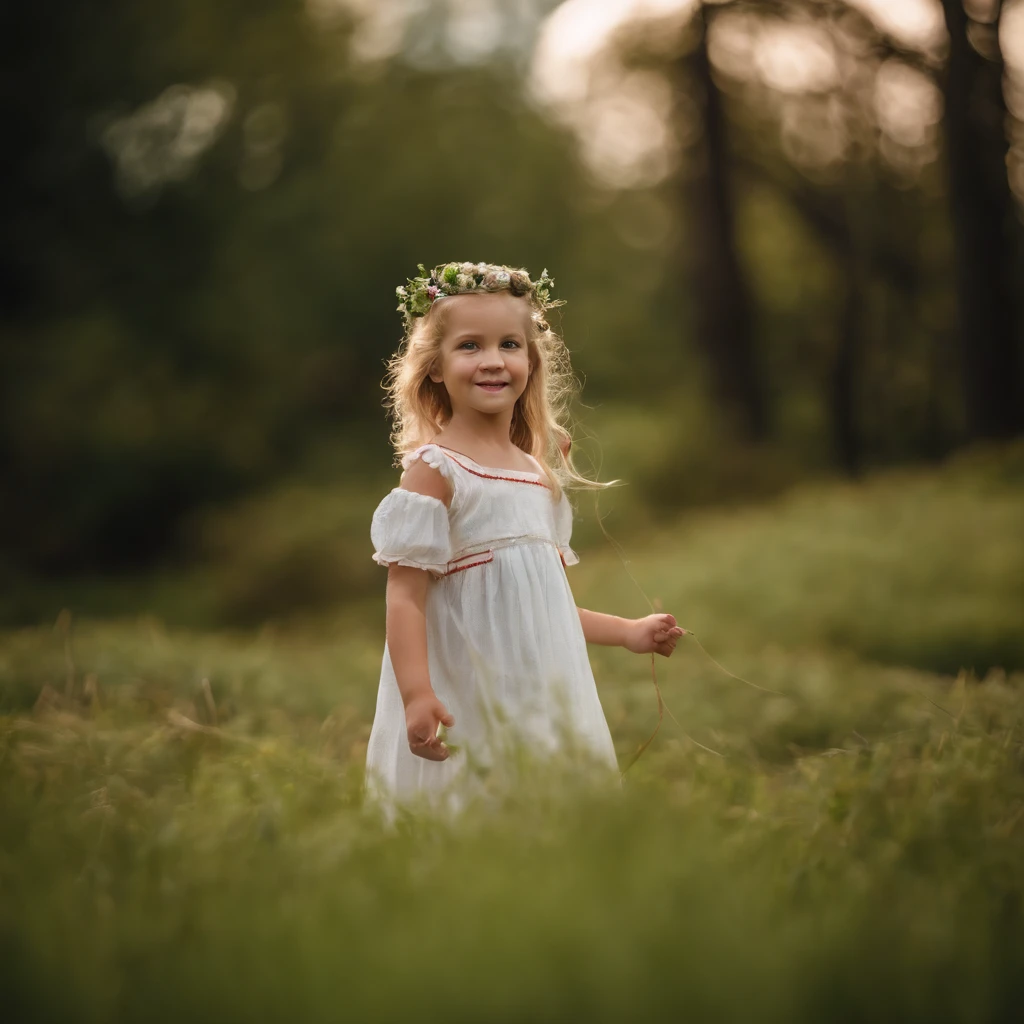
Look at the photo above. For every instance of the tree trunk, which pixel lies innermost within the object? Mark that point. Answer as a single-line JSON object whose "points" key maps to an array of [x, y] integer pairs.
{"points": [[724, 321], [846, 372], [984, 230]]}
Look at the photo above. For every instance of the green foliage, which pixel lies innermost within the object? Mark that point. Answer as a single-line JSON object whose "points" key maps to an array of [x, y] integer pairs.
{"points": [[229, 322], [182, 831], [233, 878], [941, 556], [190, 330]]}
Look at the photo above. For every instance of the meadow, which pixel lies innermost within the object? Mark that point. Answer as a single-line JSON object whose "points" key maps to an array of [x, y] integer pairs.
{"points": [[183, 836]]}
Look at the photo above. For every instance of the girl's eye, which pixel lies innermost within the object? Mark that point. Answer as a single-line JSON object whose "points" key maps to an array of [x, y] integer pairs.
{"points": [[472, 344]]}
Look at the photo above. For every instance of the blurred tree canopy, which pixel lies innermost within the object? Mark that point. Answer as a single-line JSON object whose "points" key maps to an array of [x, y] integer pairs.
{"points": [[207, 208], [910, 209]]}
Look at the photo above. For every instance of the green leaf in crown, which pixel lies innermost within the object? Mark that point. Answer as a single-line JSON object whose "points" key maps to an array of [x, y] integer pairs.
{"points": [[419, 293]]}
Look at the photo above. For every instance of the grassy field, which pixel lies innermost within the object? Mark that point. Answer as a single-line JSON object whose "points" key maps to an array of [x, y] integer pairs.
{"points": [[182, 834]]}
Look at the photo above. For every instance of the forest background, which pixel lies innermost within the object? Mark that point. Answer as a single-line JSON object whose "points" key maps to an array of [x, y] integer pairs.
{"points": [[789, 237], [788, 233]]}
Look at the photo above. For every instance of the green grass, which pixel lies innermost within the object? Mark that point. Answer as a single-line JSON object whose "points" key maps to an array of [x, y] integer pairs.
{"points": [[848, 848]]}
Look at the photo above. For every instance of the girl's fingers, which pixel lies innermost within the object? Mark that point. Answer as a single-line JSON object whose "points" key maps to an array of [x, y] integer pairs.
{"points": [[428, 746], [670, 634], [429, 751]]}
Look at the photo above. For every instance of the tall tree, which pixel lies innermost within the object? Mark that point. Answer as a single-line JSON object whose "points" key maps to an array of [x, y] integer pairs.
{"points": [[723, 303], [985, 231]]}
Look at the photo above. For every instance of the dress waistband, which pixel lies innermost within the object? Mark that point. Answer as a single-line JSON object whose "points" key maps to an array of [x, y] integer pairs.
{"points": [[473, 555]]}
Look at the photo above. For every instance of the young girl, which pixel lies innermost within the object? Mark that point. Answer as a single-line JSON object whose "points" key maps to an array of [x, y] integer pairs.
{"points": [[484, 640]]}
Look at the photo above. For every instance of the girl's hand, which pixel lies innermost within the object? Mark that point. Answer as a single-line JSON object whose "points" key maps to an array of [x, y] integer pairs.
{"points": [[422, 715], [658, 633]]}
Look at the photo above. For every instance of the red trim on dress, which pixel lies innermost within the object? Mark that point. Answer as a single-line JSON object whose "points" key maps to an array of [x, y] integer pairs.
{"points": [[489, 476], [473, 554], [462, 568]]}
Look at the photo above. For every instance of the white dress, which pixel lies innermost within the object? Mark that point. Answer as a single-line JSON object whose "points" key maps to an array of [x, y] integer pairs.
{"points": [[505, 647]]}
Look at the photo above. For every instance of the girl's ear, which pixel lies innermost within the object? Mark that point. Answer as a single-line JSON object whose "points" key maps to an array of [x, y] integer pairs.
{"points": [[434, 373]]}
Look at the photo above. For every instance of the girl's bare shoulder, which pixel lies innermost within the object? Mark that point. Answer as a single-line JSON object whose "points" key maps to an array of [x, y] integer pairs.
{"points": [[423, 478]]}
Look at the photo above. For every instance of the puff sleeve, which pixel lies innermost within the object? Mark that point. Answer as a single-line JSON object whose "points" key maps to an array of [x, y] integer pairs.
{"points": [[409, 528], [563, 530]]}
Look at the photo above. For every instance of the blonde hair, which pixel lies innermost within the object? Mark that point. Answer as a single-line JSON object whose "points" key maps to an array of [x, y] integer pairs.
{"points": [[420, 407]]}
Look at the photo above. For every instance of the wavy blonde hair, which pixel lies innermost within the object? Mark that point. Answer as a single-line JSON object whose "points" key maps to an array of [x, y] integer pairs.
{"points": [[420, 408]]}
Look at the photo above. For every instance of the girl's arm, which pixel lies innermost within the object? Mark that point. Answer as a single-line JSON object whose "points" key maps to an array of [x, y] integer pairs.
{"points": [[406, 627], [657, 632], [598, 628]]}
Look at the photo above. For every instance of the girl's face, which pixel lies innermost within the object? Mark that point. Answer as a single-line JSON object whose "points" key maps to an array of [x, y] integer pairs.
{"points": [[484, 359]]}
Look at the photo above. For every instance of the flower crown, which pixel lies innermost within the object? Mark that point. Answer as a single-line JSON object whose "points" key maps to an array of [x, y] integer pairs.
{"points": [[416, 297]]}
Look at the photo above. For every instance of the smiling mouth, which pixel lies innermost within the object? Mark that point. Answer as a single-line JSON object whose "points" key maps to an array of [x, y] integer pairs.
{"points": [[496, 385]]}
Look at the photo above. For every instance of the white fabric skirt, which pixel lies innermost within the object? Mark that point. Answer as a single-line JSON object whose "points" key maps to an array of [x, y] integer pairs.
{"points": [[508, 659]]}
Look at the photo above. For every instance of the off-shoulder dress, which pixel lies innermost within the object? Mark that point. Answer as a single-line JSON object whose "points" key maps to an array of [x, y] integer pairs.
{"points": [[505, 647]]}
